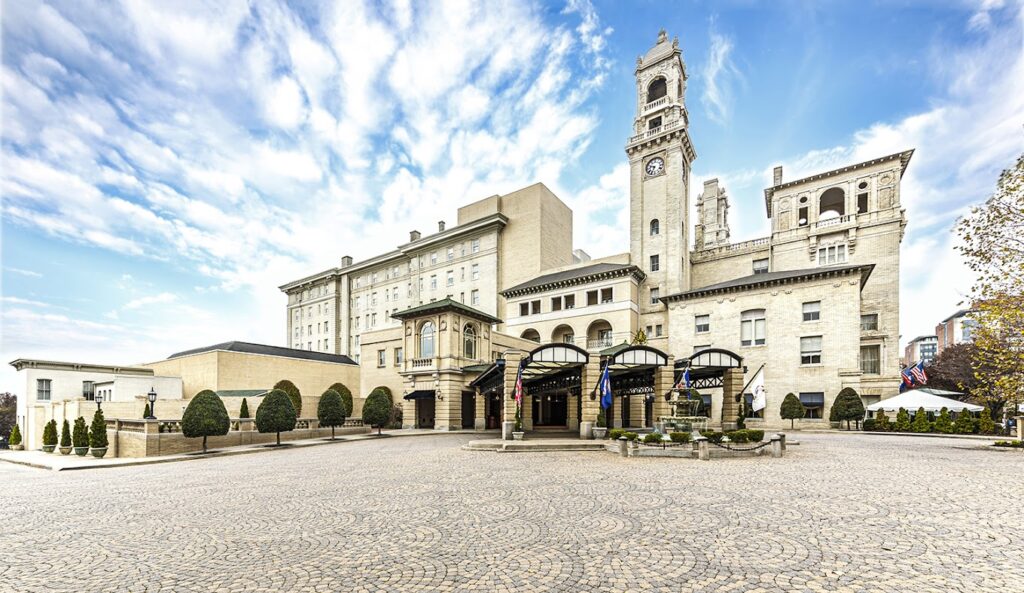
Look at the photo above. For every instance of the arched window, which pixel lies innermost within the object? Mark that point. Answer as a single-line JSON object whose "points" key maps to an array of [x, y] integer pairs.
{"points": [[655, 227], [469, 342], [427, 340], [656, 90], [832, 204], [532, 335]]}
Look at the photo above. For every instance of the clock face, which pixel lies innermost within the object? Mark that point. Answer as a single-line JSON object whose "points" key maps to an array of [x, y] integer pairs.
{"points": [[655, 166]]}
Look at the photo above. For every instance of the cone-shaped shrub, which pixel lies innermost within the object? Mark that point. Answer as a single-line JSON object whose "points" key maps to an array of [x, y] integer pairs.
{"points": [[377, 409], [80, 433], [276, 414], [65, 434], [145, 412], [50, 434], [15, 438], [346, 397], [244, 412], [882, 422], [205, 416], [964, 423], [944, 423], [792, 409], [850, 406], [293, 394], [902, 420], [920, 423], [985, 424], [331, 410], [98, 431]]}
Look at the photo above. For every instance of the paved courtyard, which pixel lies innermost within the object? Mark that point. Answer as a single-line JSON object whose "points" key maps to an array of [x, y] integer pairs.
{"points": [[839, 513]]}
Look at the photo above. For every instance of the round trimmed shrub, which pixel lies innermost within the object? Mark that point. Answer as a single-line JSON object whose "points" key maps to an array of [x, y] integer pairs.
{"points": [[679, 437], [377, 409], [293, 394], [850, 407], [615, 433], [881, 422], [792, 409], [276, 414], [631, 436], [346, 397], [652, 438], [985, 423], [331, 410], [98, 431], [205, 416]]}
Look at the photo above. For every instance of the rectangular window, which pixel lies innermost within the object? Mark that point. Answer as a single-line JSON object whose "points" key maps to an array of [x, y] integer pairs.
{"points": [[748, 399], [814, 404], [831, 255], [802, 216], [810, 350], [325, 326], [649, 330], [606, 295], [524, 309], [373, 320], [761, 266], [89, 390], [433, 282], [451, 278], [569, 301], [869, 323], [655, 263], [474, 296], [462, 274], [462, 297], [394, 293], [655, 293], [697, 349], [658, 331], [381, 358], [433, 258], [387, 295], [752, 328], [398, 357], [534, 307], [862, 203], [373, 299], [812, 311], [591, 297], [702, 323], [451, 253], [475, 245], [556, 303], [871, 360], [475, 271]]}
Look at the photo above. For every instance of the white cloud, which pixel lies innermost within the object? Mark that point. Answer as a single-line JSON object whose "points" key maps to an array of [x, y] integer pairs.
{"points": [[720, 76], [23, 272]]}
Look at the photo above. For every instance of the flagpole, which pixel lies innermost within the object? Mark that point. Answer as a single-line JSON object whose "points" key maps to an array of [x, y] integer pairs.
{"points": [[752, 378]]}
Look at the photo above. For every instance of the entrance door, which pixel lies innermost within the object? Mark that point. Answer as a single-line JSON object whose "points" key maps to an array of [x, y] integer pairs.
{"points": [[468, 410], [649, 410], [626, 401], [425, 413], [551, 409]]}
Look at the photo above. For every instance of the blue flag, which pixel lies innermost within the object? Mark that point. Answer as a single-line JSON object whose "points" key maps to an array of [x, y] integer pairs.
{"points": [[605, 387]]}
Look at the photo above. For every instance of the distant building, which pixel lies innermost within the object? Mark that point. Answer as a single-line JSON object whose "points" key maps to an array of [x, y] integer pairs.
{"points": [[921, 348], [955, 329]]}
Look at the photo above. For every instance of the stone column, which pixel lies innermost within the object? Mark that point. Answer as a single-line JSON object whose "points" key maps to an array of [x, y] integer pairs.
{"points": [[508, 402], [408, 405], [664, 380], [527, 411], [480, 419], [448, 405], [571, 420], [732, 384], [589, 376]]}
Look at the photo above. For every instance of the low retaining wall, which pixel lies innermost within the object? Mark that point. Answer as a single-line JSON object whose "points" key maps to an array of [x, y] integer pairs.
{"points": [[152, 438]]}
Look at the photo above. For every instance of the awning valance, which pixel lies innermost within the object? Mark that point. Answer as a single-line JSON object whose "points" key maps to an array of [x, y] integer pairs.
{"points": [[421, 394]]}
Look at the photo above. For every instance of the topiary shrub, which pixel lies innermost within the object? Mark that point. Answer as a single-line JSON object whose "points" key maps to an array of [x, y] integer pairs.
{"points": [[205, 416], [377, 410], [738, 436], [712, 435], [920, 423], [276, 414], [653, 438], [346, 397], [985, 423], [944, 423], [331, 410], [80, 436], [293, 394], [15, 438], [964, 424], [792, 409], [65, 434], [615, 433], [902, 420], [145, 411], [50, 436], [869, 425], [850, 407], [631, 436], [755, 435], [679, 437], [881, 422], [243, 412], [98, 431]]}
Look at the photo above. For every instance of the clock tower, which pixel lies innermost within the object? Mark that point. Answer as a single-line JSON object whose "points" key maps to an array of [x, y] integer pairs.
{"points": [[660, 153]]}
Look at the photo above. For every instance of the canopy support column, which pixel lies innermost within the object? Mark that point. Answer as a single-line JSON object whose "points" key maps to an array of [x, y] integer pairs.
{"points": [[590, 374], [508, 402], [732, 399]]}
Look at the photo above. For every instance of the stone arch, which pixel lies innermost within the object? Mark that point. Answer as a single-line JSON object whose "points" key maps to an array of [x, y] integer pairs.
{"points": [[563, 334], [530, 334], [832, 203], [657, 89]]}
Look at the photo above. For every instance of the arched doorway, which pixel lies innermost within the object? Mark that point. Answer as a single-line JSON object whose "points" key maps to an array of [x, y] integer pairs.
{"points": [[551, 379]]}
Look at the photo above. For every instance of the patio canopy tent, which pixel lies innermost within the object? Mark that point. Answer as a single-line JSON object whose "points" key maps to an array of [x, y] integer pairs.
{"points": [[932, 400]]}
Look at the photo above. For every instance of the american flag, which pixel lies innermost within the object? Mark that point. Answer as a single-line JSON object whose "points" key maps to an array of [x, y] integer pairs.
{"points": [[918, 372], [519, 386]]}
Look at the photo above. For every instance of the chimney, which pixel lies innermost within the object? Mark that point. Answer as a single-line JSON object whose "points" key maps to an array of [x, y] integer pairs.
{"points": [[440, 226], [414, 236], [777, 176], [710, 187], [346, 261]]}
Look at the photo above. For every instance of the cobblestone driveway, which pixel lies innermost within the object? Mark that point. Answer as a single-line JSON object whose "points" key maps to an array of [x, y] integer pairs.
{"points": [[840, 513]]}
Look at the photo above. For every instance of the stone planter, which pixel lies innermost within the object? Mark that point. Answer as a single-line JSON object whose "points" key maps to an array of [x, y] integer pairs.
{"points": [[518, 436], [81, 451], [49, 448], [18, 447], [600, 432], [65, 450], [98, 453]]}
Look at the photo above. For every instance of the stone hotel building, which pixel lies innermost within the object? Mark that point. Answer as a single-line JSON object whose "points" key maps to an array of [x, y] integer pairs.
{"points": [[447, 319]]}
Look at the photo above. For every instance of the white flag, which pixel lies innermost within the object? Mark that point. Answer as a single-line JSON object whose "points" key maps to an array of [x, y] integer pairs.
{"points": [[757, 388]]}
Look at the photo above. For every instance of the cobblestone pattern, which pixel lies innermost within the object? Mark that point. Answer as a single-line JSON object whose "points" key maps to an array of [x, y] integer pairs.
{"points": [[838, 513]]}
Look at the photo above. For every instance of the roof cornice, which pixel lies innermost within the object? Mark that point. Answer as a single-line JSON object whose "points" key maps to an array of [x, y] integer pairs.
{"points": [[633, 271], [697, 293], [30, 363]]}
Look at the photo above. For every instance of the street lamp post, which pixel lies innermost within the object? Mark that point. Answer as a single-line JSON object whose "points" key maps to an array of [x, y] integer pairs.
{"points": [[99, 401], [152, 403]]}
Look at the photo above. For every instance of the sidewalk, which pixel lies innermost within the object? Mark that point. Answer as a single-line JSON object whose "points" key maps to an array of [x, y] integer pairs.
{"points": [[57, 462], [933, 435]]}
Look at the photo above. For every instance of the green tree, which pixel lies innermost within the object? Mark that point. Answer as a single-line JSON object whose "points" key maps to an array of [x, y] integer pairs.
{"points": [[276, 414], [244, 411], [50, 434], [205, 416], [835, 413], [331, 410], [920, 423], [985, 423], [377, 409], [15, 438], [792, 409], [882, 422], [850, 406], [8, 412], [98, 431], [902, 420], [65, 434], [293, 394], [992, 244], [346, 397], [80, 433], [944, 423], [145, 411], [964, 423]]}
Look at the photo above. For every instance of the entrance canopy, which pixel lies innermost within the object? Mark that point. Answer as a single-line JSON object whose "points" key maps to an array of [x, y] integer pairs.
{"points": [[421, 394], [707, 367], [925, 398], [554, 366], [631, 368]]}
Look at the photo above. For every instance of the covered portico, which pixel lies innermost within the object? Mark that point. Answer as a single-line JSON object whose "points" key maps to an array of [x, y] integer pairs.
{"points": [[712, 369], [638, 374]]}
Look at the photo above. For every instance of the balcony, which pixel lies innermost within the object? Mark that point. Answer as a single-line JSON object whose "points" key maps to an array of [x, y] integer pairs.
{"points": [[837, 221], [654, 132], [599, 343], [655, 104], [422, 363]]}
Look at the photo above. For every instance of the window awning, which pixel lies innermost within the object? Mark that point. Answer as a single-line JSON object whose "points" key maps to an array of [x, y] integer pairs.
{"points": [[812, 399], [421, 394]]}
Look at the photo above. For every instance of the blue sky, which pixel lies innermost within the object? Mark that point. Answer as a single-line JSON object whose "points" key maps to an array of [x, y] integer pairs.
{"points": [[166, 166]]}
